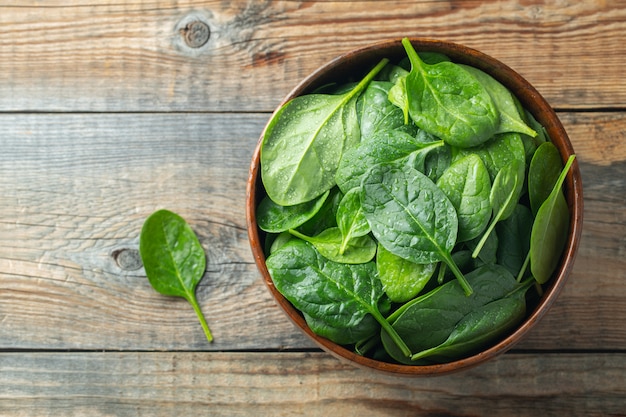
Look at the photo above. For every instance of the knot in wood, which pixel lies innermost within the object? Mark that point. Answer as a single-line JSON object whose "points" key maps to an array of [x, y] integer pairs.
{"points": [[128, 259], [196, 34]]}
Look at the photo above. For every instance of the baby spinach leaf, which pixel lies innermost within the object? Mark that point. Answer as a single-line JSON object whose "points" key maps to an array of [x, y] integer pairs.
{"points": [[305, 140], [480, 327], [496, 153], [383, 147], [510, 118], [402, 280], [364, 330], [274, 218], [339, 295], [330, 244], [448, 102], [428, 320], [488, 253], [437, 161], [467, 185], [410, 216], [543, 172], [549, 232], [325, 218], [350, 218], [514, 239], [505, 193], [173, 259], [377, 112]]}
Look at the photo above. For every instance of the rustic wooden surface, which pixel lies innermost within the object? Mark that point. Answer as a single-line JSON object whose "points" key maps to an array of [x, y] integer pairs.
{"points": [[106, 114]]}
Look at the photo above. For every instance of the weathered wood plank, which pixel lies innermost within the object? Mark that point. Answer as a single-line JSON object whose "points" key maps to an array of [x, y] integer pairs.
{"points": [[120, 56], [76, 188], [311, 384]]}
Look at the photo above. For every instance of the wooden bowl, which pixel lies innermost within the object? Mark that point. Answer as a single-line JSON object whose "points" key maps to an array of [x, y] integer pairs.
{"points": [[352, 66]]}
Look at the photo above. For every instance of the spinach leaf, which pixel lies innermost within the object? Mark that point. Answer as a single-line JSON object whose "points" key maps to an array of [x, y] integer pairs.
{"points": [[384, 147], [402, 280], [428, 320], [437, 161], [496, 153], [410, 216], [467, 185], [398, 97], [305, 140], [505, 193], [480, 327], [364, 330], [549, 232], [543, 172], [510, 118], [335, 294], [173, 259], [514, 239], [377, 112], [330, 244], [350, 218], [325, 218], [274, 218], [448, 102]]}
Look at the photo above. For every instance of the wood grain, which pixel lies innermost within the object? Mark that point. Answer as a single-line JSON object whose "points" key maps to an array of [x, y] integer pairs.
{"points": [[121, 56], [298, 384], [76, 189]]}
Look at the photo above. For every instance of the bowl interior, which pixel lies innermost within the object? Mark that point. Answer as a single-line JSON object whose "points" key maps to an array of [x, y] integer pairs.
{"points": [[352, 66]]}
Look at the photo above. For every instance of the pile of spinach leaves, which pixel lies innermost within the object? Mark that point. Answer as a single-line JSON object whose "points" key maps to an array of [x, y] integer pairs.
{"points": [[407, 214]]}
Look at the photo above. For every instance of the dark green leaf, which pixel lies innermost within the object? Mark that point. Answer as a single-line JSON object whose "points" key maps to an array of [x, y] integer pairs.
{"points": [[173, 258], [549, 232], [305, 141], [330, 244], [505, 194], [384, 147], [514, 239], [428, 320], [545, 168], [402, 280], [275, 218], [410, 216], [350, 218], [467, 185], [448, 102], [480, 327], [510, 118]]}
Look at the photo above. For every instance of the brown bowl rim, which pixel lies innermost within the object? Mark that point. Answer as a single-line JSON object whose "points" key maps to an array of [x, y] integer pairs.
{"points": [[527, 95]]}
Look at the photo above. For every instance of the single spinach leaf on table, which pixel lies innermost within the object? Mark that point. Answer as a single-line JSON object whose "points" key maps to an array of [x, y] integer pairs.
{"points": [[274, 218], [410, 216], [549, 233], [173, 259], [510, 118], [305, 140], [428, 320], [402, 280], [480, 327], [336, 295], [448, 102], [383, 147], [543, 172], [350, 218], [505, 194], [467, 185], [330, 244]]}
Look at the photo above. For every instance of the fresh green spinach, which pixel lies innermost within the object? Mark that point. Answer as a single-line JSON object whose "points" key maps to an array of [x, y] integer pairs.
{"points": [[549, 232], [173, 259], [416, 222], [448, 102], [467, 185], [402, 280], [304, 141]]}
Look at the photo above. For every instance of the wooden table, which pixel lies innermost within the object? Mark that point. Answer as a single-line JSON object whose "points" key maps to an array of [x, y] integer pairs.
{"points": [[111, 110]]}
